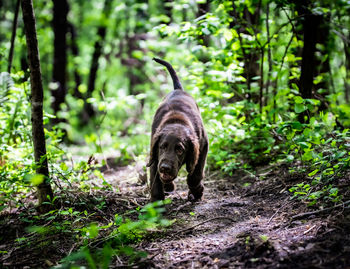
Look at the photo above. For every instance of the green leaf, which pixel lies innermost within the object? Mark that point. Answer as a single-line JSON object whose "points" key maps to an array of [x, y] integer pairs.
{"points": [[264, 237], [37, 179], [299, 108], [298, 100], [235, 46], [92, 231], [290, 158], [228, 34], [313, 173], [307, 131], [205, 31], [297, 125], [304, 145]]}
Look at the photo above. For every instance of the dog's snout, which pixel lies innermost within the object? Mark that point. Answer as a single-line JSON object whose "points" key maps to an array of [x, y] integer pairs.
{"points": [[165, 168]]}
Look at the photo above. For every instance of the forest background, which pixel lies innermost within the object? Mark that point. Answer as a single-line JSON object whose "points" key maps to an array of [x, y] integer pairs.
{"points": [[272, 80]]}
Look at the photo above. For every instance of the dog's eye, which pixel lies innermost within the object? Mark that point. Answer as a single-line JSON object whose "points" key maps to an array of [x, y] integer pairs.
{"points": [[163, 146], [179, 150]]}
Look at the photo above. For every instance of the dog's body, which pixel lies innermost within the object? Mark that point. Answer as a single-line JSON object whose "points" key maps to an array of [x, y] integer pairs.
{"points": [[178, 137]]}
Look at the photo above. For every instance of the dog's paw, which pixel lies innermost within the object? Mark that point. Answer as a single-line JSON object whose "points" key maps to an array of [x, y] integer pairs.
{"points": [[192, 198]]}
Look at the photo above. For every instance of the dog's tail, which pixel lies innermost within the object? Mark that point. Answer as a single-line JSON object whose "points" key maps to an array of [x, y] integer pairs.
{"points": [[176, 81]]}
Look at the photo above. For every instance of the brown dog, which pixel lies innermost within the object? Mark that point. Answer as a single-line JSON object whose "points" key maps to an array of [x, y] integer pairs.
{"points": [[178, 137]]}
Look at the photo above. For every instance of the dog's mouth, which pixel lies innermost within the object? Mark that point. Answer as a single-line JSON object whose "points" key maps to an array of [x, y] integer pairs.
{"points": [[166, 177]]}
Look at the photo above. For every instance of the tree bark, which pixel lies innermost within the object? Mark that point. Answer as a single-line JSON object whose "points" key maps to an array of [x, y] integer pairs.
{"points": [[251, 55], [44, 191], [75, 52], [347, 65], [261, 91], [203, 9], [136, 72], [269, 57], [168, 10], [310, 27], [322, 63], [60, 27], [13, 36], [88, 110]]}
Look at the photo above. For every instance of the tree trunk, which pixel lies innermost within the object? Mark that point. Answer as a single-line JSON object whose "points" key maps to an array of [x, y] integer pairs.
{"points": [[203, 9], [261, 91], [75, 52], [44, 191], [310, 28], [168, 10], [60, 27], [251, 55], [322, 63], [269, 57], [347, 65], [13, 36], [88, 110]]}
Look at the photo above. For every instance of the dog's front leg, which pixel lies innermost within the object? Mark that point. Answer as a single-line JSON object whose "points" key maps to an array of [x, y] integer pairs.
{"points": [[194, 181], [157, 191]]}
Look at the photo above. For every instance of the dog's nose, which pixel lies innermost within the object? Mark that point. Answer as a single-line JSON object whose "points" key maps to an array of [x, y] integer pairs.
{"points": [[164, 168]]}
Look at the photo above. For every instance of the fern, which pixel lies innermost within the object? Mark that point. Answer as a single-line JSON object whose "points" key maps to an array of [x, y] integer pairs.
{"points": [[6, 83]]}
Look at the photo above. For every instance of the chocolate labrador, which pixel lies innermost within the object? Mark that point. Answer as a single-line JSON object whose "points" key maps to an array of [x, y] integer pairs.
{"points": [[178, 137]]}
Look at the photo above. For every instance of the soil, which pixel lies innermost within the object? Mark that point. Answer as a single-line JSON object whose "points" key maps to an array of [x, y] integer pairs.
{"points": [[244, 221]]}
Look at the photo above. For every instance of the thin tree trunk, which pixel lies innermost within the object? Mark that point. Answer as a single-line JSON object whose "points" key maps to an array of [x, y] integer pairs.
{"points": [[310, 27], [322, 62], [88, 110], [251, 56], [168, 10], [347, 65], [261, 104], [44, 191], [203, 9], [60, 27], [136, 72], [13, 37], [75, 52], [268, 54]]}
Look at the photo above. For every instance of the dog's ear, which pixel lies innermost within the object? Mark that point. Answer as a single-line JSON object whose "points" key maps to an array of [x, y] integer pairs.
{"points": [[192, 155], [153, 155]]}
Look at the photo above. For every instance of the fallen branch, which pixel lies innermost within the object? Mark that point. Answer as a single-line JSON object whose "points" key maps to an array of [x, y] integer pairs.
{"points": [[306, 214], [284, 204], [203, 222], [176, 210]]}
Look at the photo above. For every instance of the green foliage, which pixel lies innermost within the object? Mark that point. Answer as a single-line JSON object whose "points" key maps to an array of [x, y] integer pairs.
{"points": [[244, 78], [17, 166], [326, 160], [15, 138], [117, 237]]}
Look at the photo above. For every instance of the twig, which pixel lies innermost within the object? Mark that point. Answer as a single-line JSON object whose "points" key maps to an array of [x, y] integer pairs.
{"points": [[72, 248], [128, 201], [175, 191], [211, 176], [203, 222], [306, 214], [285, 202], [13, 37], [99, 125], [181, 207], [308, 230]]}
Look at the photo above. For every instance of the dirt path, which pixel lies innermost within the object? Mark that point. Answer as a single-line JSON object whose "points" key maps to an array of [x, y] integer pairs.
{"points": [[247, 222], [244, 221]]}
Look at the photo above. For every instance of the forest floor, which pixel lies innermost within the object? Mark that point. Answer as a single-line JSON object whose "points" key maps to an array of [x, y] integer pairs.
{"points": [[244, 221]]}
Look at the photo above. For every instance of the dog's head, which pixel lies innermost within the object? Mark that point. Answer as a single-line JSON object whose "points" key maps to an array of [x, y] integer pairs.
{"points": [[171, 147]]}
